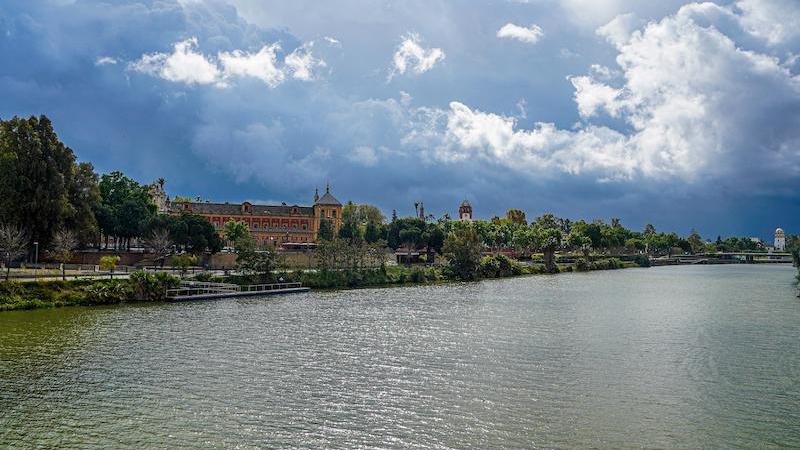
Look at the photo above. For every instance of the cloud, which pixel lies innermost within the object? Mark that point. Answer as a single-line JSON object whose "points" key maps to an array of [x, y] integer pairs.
{"points": [[301, 63], [332, 41], [105, 60], [411, 56], [365, 156], [261, 65], [185, 64], [776, 21], [695, 105], [529, 35]]}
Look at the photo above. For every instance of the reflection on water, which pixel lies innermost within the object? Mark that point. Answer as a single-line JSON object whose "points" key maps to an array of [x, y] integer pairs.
{"points": [[675, 357]]}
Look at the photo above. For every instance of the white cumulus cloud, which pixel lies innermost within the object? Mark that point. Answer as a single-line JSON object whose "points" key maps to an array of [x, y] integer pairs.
{"points": [[262, 65], [529, 35], [187, 65], [695, 106], [184, 64], [412, 56]]}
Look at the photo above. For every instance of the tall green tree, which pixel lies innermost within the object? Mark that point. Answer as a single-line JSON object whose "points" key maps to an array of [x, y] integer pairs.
{"points": [[325, 232], [125, 207], [462, 248], [42, 188]]}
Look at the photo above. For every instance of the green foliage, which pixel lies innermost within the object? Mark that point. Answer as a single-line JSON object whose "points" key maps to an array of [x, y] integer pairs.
{"points": [[42, 188], [516, 216], [463, 251], [236, 230], [104, 293], [109, 262], [257, 261], [190, 232], [125, 207], [325, 232], [151, 287], [500, 266], [184, 261]]}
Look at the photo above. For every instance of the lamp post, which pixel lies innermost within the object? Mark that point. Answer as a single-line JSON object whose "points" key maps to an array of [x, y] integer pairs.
{"points": [[36, 258]]}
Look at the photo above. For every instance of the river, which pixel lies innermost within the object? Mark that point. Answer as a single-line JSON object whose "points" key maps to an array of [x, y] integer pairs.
{"points": [[670, 357]]}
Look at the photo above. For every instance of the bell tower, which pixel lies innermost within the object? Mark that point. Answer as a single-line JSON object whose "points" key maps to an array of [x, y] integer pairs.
{"points": [[465, 212]]}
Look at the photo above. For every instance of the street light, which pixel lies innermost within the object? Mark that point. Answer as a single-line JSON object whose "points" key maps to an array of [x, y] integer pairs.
{"points": [[36, 246]]}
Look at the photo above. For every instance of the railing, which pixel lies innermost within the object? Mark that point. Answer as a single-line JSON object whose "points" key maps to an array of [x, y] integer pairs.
{"points": [[191, 288], [269, 287]]}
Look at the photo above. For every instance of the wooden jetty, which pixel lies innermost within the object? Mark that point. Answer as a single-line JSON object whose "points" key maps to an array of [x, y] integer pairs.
{"points": [[199, 290]]}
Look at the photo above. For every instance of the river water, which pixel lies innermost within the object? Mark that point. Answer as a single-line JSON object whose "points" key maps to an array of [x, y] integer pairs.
{"points": [[672, 357]]}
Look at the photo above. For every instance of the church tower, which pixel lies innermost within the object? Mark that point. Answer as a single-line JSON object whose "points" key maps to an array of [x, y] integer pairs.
{"points": [[465, 211], [780, 240]]}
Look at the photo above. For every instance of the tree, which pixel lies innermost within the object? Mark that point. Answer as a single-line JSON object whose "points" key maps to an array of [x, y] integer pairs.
{"points": [[160, 243], [41, 187], [183, 262], [582, 242], [235, 230], [325, 232], [410, 237], [696, 242], [125, 207], [516, 216], [257, 260], [462, 248], [13, 242], [109, 263], [64, 242], [547, 241]]}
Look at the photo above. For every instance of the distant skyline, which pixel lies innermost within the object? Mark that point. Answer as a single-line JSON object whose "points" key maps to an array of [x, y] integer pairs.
{"points": [[684, 115]]}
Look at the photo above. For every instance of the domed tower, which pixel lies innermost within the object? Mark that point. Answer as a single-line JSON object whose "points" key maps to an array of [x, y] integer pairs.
{"points": [[780, 239], [465, 211]]}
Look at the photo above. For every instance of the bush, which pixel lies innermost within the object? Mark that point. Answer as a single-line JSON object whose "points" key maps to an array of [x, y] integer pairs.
{"points": [[581, 265], [642, 261], [108, 293], [150, 287], [500, 266]]}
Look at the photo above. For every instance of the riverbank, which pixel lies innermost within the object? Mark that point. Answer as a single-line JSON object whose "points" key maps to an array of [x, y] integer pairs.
{"points": [[148, 287]]}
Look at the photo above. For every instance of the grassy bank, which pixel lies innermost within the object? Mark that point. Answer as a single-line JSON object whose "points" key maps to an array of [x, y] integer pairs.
{"points": [[140, 287], [149, 287]]}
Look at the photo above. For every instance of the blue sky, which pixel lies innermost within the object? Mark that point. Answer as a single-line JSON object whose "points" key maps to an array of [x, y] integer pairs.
{"points": [[679, 114]]}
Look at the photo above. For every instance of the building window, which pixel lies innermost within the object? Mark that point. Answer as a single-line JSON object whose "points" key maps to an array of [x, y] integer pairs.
{"points": [[285, 227], [255, 226], [294, 227], [305, 227], [334, 213], [216, 225], [322, 212]]}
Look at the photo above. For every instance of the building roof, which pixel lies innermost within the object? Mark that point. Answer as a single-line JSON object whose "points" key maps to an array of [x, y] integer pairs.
{"points": [[779, 231], [236, 209], [328, 199], [465, 203]]}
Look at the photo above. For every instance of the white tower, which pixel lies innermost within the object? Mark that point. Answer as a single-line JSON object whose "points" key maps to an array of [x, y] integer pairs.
{"points": [[780, 239]]}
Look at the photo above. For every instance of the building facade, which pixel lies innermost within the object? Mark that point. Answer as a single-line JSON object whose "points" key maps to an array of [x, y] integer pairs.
{"points": [[276, 224]]}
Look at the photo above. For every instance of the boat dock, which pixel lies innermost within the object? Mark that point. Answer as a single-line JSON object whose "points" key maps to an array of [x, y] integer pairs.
{"points": [[198, 290]]}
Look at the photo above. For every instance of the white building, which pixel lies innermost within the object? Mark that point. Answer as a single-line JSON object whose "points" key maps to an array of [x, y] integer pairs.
{"points": [[780, 240]]}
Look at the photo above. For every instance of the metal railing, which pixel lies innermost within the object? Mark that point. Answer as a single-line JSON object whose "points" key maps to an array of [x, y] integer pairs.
{"points": [[190, 288]]}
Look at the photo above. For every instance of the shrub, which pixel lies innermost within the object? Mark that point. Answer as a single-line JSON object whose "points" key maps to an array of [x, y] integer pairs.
{"points": [[581, 265], [499, 266], [108, 293], [642, 261], [151, 287]]}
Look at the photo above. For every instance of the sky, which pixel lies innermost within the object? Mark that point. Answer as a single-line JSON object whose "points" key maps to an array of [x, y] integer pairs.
{"points": [[683, 115]]}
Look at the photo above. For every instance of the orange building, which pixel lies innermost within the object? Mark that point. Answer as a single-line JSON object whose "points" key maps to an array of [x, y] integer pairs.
{"points": [[278, 224]]}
